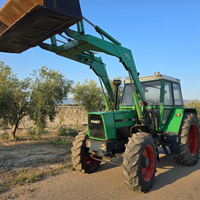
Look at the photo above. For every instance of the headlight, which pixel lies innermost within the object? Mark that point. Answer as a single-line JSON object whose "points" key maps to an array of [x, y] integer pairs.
{"points": [[88, 143], [102, 146]]}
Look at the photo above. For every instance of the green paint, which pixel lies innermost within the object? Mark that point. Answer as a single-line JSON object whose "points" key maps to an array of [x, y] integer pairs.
{"points": [[161, 103], [106, 102], [124, 124], [95, 138], [161, 115], [101, 31], [124, 114], [78, 27], [82, 26], [109, 125], [81, 48], [137, 105], [166, 114], [53, 41], [174, 121], [90, 43]]}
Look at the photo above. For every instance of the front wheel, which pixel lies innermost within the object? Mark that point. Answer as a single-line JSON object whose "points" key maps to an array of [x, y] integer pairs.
{"points": [[81, 157], [139, 162]]}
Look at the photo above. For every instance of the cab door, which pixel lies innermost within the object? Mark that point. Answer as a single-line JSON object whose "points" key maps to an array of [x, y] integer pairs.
{"points": [[172, 101]]}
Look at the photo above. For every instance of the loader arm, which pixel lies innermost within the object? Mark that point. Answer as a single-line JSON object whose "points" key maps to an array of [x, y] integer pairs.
{"points": [[25, 24], [100, 45], [81, 49], [88, 58]]}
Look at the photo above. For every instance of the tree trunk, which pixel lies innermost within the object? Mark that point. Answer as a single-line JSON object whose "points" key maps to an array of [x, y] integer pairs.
{"points": [[14, 128]]}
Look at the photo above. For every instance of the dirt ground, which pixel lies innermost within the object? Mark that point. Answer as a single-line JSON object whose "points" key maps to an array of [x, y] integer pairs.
{"points": [[41, 168], [31, 158]]}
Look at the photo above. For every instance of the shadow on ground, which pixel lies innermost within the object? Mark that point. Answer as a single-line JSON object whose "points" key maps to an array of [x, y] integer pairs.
{"points": [[169, 171], [105, 166]]}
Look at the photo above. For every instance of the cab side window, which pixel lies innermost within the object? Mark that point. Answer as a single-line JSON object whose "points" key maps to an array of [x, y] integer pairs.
{"points": [[178, 101], [168, 99]]}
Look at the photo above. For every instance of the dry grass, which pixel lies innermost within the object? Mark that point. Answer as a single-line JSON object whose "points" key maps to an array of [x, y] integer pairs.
{"points": [[30, 158], [16, 178]]}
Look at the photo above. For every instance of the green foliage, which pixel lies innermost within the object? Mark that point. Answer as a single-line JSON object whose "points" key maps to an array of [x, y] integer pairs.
{"points": [[5, 136], [194, 104], [75, 104], [89, 95], [16, 138], [31, 133], [49, 88], [36, 97], [60, 142], [67, 132], [13, 96], [61, 131]]}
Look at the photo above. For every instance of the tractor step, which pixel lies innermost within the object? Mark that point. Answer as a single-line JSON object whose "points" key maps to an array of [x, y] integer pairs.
{"points": [[25, 24]]}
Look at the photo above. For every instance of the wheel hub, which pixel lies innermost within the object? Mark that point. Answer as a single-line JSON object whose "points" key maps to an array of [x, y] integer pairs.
{"points": [[148, 163], [193, 139], [90, 161], [145, 161]]}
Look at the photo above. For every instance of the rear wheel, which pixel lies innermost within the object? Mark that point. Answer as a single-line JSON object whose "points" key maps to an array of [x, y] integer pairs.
{"points": [[139, 162], [80, 155], [188, 140]]}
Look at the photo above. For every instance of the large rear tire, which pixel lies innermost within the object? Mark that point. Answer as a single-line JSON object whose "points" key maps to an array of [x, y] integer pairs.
{"points": [[139, 162], [81, 157], [188, 140]]}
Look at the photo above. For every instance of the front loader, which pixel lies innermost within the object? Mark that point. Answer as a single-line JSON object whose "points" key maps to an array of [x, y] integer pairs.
{"points": [[150, 113]]}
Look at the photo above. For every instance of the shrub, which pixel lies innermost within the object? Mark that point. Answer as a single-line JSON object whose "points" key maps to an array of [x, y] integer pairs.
{"points": [[5, 136], [59, 142]]}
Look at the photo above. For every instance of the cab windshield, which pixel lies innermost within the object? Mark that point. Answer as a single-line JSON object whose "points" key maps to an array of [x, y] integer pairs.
{"points": [[151, 90]]}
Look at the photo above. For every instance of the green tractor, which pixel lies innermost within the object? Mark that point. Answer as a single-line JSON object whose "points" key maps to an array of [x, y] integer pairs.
{"points": [[121, 137], [150, 113]]}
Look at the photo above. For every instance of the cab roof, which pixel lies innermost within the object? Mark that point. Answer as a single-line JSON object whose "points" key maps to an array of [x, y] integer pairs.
{"points": [[155, 77]]}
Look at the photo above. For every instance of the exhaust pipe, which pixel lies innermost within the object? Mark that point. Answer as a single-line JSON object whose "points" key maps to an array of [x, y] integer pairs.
{"points": [[116, 83]]}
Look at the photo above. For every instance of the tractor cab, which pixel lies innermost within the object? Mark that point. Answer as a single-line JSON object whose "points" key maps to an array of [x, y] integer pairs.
{"points": [[162, 94], [157, 89]]}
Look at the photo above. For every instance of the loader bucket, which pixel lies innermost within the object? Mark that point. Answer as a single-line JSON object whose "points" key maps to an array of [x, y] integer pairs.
{"points": [[26, 23]]}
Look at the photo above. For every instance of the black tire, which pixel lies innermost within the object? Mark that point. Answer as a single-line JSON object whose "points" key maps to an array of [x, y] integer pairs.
{"points": [[137, 176], [188, 137], [80, 156]]}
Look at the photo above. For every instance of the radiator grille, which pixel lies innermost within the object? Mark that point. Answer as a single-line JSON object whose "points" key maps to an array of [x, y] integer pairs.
{"points": [[96, 126]]}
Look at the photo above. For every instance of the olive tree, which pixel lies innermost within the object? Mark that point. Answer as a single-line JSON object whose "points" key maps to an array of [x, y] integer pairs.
{"points": [[35, 97], [88, 95], [194, 104]]}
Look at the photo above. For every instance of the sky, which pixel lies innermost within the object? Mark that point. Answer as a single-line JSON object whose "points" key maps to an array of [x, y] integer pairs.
{"points": [[163, 35]]}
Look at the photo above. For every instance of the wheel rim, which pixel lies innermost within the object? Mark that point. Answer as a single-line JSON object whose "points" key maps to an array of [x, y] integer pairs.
{"points": [[147, 172], [193, 139], [90, 161]]}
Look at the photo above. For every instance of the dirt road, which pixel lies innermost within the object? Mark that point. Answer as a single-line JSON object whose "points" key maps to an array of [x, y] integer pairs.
{"points": [[172, 181]]}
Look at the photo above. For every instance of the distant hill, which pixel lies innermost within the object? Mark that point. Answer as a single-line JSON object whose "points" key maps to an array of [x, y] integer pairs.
{"points": [[187, 100], [70, 101]]}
